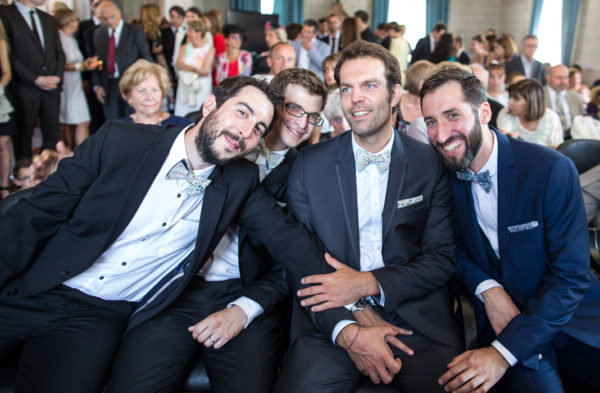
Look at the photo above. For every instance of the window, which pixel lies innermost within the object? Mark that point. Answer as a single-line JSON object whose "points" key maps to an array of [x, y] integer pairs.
{"points": [[410, 13], [266, 6], [549, 32]]}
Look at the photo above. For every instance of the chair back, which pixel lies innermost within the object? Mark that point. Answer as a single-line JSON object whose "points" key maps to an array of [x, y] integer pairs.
{"points": [[585, 153]]}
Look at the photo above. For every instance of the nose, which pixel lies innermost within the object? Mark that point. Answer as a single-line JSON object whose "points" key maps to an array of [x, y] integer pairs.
{"points": [[356, 95], [246, 129], [443, 131]]}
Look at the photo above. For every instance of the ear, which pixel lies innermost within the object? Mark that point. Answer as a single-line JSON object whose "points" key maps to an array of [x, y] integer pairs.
{"points": [[210, 104], [396, 94], [269, 62], [485, 113]]}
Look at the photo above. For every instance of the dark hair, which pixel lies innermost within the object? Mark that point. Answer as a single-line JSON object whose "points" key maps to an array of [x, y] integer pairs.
{"points": [[322, 20], [442, 50], [382, 26], [63, 17], [230, 87], [471, 87], [234, 29], [312, 23], [20, 164], [439, 26], [292, 30], [349, 32], [362, 15], [360, 49], [195, 10], [496, 67], [533, 92], [479, 38], [300, 77], [528, 36], [177, 9], [334, 57], [458, 39]]}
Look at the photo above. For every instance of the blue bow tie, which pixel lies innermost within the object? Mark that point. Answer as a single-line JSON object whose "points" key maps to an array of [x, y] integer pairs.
{"points": [[182, 170], [484, 178]]}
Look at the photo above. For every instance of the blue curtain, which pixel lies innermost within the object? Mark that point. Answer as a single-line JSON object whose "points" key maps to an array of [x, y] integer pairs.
{"points": [[570, 9], [289, 11], [437, 11], [245, 5], [535, 16], [380, 11]]}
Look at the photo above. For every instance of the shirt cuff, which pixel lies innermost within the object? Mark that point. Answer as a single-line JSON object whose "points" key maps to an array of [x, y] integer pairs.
{"points": [[381, 296], [339, 327], [484, 286], [505, 353], [249, 306]]}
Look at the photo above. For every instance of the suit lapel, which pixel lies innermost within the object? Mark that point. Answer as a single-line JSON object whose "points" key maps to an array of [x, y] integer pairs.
{"points": [[507, 189], [395, 183], [148, 167], [18, 16], [345, 171]]}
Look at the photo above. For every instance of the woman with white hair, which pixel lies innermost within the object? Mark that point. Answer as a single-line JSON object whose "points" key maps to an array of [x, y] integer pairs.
{"points": [[334, 114]]}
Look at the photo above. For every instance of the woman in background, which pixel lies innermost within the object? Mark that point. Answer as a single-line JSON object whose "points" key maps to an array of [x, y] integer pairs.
{"points": [[576, 85], [274, 34], [194, 65], [444, 50], [349, 32], [150, 20], [74, 115], [234, 61], [212, 20], [527, 116]]}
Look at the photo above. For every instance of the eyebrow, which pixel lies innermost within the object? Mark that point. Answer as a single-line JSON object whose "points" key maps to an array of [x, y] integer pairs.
{"points": [[248, 107]]}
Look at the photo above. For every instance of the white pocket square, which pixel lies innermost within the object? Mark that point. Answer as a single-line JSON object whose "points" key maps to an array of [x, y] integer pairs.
{"points": [[523, 227], [409, 201]]}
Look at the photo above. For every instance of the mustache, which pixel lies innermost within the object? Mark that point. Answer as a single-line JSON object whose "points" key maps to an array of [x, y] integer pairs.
{"points": [[236, 138]]}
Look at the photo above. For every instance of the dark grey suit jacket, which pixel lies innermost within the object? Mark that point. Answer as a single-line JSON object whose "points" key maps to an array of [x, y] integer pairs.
{"points": [[132, 46], [538, 70], [418, 239]]}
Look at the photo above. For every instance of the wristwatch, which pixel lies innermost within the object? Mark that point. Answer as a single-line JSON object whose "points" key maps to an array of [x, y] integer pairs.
{"points": [[359, 305]]}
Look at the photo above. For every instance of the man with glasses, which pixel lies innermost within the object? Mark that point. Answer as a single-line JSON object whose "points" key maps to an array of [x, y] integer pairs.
{"points": [[380, 203], [234, 312], [525, 63]]}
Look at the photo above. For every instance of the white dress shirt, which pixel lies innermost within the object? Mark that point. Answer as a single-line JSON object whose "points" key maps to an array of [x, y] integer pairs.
{"points": [[563, 102], [155, 241], [486, 210], [224, 263], [371, 187], [25, 12], [527, 66]]}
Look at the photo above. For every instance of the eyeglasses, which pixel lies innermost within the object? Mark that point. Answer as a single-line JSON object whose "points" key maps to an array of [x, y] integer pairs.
{"points": [[296, 111]]}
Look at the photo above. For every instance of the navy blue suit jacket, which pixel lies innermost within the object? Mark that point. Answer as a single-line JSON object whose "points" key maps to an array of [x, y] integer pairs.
{"points": [[545, 269]]}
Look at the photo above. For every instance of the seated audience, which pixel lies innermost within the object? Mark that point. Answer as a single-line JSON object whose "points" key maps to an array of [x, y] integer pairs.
{"points": [[234, 61], [194, 66], [74, 115], [576, 85], [528, 117], [274, 34], [588, 127], [523, 250], [144, 86], [496, 79], [567, 104]]}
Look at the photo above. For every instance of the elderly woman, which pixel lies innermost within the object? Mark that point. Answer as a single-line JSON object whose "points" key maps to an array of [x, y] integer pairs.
{"points": [[527, 116], [144, 85], [334, 115]]}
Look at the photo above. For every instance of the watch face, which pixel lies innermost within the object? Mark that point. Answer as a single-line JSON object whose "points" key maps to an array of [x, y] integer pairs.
{"points": [[360, 305]]}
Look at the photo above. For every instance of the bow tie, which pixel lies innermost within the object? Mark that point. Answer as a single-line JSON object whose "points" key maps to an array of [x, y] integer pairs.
{"points": [[363, 159], [182, 170], [273, 159], [484, 179]]}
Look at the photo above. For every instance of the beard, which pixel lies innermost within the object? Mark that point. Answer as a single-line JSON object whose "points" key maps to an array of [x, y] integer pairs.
{"points": [[473, 144], [206, 137]]}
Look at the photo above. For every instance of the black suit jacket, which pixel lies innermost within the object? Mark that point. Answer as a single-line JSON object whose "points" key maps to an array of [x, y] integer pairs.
{"points": [[418, 239], [86, 47], [464, 58], [368, 35], [73, 217], [132, 46], [28, 59], [538, 70], [422, 50]]}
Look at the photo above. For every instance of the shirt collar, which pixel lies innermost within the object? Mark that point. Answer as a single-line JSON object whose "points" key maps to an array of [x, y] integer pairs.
{"points": [[387, 147], [118, 29], [525, 61], [492, 162], [178, 153]]}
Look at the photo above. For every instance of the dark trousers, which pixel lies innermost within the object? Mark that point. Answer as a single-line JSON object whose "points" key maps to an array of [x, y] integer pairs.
{"points": [[67, 339], [566, 364], [314, 364], [157, 355], [115, 106], [28, 108]]}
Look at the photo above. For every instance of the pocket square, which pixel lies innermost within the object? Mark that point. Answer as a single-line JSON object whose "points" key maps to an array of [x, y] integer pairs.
{"points": [[523, 227], [282, 204], [409, 201]]}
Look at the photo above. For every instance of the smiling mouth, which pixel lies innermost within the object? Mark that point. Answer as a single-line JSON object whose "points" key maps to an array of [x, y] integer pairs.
{"points": [[295, 133], [233, 145], [452, 145], [359, 114]]}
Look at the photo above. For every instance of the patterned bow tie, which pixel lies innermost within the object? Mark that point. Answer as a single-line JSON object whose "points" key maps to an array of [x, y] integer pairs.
{"points": [[484, 179], [363, 159], [182, 170], [273, 159]]}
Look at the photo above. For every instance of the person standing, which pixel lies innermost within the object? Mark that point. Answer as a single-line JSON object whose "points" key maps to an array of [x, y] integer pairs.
{"points": [[38, 64]]}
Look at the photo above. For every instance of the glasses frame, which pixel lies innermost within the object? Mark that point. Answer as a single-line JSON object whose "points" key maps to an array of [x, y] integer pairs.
{"points": [[287, 106]]}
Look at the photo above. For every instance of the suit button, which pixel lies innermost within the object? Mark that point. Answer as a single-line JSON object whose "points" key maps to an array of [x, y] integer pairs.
{"points": [[64, 274]]}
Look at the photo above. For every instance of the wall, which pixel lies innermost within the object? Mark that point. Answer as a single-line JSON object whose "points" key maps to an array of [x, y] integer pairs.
{"points": [[586, 51]]}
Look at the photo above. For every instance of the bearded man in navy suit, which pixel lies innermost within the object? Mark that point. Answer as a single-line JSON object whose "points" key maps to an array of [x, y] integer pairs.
{"points": [[522, 251]]}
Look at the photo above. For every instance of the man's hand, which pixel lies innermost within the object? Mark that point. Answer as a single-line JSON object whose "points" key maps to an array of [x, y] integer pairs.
{"points": [[344, 286], [370, 352], [474, 371], [100, 94], [47, 82], [499, 308], [218, 328]]}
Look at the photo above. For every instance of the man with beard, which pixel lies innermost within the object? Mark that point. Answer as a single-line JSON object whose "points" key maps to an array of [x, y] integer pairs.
{"points": [[235, 305], [122, 227], [522, 250], [380, 202]]}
